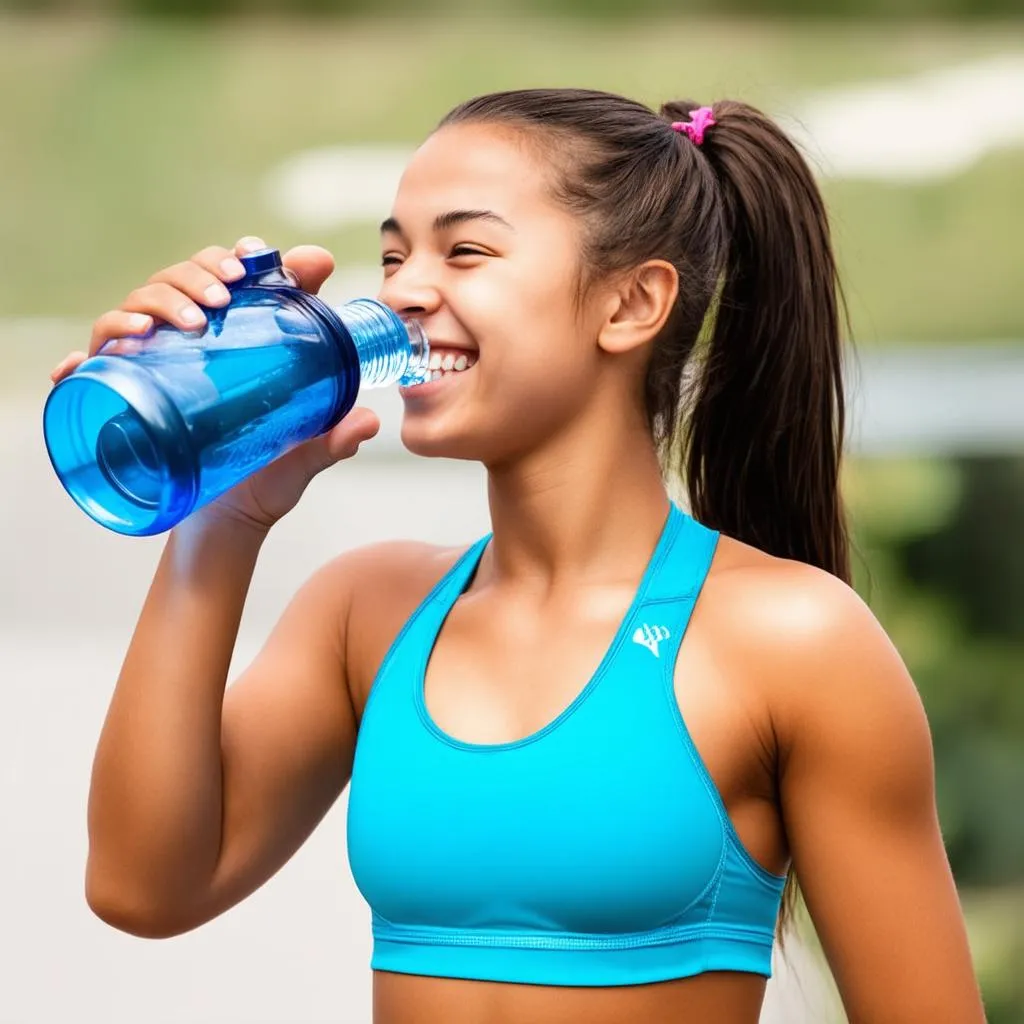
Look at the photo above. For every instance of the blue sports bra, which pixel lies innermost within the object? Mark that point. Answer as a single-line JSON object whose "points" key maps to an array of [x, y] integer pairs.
{"points": [[596, 851]]}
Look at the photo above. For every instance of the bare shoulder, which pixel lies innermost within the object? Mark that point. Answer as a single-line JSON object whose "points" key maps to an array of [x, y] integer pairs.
{"points": [[781, 599], [856, 787], [382, 585], [816, 647]]}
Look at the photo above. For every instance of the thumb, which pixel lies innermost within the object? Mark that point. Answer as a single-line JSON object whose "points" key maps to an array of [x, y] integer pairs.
{"points": [[342, 440], [310, 265], [345, 437]]}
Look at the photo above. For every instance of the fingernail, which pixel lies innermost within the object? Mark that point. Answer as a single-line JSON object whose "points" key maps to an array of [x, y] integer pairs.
{"points": [[139, 321], [55, 372], [190, 314], [217, 293], [251, 242], [232, 268]]}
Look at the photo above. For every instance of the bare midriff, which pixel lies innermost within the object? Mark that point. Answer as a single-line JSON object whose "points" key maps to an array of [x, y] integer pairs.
{"points": [[721, 997]]}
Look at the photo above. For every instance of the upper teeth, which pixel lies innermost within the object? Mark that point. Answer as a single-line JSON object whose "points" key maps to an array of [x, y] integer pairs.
{"points": [[449, 362]]}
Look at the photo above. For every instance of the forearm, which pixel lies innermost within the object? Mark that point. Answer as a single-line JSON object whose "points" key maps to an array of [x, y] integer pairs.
{"points": [[155, 803]]}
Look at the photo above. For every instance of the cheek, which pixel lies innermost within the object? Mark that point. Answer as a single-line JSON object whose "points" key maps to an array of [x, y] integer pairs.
{"points": [[525, 323]]}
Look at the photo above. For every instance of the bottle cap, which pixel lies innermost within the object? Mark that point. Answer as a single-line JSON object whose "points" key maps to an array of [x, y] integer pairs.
{"points": [[261, 261]]}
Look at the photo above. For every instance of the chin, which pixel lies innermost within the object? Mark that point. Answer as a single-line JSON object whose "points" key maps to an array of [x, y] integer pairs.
{"points": [[432, 441]]}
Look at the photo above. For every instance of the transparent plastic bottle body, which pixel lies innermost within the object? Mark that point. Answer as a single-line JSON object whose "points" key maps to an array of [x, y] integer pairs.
{"points": [[152, 428]]}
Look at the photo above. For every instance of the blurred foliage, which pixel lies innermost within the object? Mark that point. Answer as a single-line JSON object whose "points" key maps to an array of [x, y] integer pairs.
{"points": [[140, 142], [580, 8], [943, 569], [946, 578], [974, 565]]}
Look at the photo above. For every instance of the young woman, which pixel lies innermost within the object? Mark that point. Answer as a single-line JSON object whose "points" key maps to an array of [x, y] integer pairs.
{"points": [[595, 744]]}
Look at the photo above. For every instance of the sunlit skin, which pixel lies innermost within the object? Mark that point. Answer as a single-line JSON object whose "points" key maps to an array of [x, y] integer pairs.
{"points": [[798, 703]]}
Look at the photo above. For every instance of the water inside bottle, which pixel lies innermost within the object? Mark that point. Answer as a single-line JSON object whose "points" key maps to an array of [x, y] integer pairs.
{"points": [[243, 406]]}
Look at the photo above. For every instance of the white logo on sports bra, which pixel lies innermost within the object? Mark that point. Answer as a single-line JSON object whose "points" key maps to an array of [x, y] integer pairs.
{"points": [[650, 637]]}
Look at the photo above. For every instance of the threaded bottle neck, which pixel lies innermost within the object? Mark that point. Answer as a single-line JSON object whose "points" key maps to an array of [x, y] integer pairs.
{"points": [[390, 350]]}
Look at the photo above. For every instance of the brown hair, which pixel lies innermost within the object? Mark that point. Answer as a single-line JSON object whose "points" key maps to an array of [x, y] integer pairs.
{"points": [[744, 390]]}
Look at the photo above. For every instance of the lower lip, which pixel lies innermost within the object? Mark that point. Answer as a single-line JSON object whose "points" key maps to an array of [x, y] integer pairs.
{"points": [[432, 386]]}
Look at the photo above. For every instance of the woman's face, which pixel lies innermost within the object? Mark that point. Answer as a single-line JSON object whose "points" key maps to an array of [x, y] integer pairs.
{"points": [[477, 251]]}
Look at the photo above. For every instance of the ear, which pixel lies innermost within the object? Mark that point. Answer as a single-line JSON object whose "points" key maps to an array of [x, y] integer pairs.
{"points": [[638, 306]]}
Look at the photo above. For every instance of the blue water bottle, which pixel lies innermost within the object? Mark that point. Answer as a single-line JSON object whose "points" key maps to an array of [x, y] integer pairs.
{"points": [[152, 428]]}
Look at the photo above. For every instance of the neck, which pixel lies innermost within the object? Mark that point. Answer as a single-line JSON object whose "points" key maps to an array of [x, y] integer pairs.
{"points": [[587, 508]]}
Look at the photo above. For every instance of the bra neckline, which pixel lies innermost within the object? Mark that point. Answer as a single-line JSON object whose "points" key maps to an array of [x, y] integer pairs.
{"points": [[464, 572]]}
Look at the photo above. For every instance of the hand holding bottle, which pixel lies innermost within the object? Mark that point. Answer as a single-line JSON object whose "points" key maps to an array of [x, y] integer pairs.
{"points": [[175, 296]]}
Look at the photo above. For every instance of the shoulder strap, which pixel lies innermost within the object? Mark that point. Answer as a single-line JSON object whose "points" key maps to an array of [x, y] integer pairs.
{"points": [[681, 573]]}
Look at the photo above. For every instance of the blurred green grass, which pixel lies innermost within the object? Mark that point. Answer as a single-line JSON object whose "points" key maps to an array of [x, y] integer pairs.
{"points": [[130, 145]]}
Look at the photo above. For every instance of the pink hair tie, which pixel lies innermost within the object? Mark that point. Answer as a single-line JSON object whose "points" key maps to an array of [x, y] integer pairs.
{"points": [[700, 121]]}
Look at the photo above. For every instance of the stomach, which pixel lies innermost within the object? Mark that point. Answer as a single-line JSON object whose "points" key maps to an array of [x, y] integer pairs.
{"points": [[722, 997]]}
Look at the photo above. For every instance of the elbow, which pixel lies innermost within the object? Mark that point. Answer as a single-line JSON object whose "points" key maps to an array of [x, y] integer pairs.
{"points": [[115, 904]]}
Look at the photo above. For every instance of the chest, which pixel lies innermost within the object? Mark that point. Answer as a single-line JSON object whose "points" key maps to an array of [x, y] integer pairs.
{"points": [[504, 668], [522, 758]]}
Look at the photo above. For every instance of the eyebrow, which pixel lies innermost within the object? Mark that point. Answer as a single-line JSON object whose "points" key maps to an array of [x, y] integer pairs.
{"points": [[443, 221]]}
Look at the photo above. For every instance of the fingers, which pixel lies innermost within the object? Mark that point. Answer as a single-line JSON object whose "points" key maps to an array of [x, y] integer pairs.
{"points": [[178, 293], [222, 263], [174, 295], [200, 279], [359, 425], [342, 441], [158, 301], [117, 323], [67, 365]]}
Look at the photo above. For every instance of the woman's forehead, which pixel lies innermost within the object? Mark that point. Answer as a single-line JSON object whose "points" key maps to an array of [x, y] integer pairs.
{"points": [[481, 166]]}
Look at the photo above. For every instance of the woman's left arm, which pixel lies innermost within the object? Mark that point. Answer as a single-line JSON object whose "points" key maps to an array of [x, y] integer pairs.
{"points": [[857, 786]]}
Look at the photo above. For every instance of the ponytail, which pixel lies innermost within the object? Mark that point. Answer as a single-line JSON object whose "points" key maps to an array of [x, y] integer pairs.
{"points": [[765, 432], [763, 441]]}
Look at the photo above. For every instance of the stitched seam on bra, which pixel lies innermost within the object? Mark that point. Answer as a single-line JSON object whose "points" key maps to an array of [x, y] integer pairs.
{"points": [[765, 878], [561, 941], [761, 874], [719, 875], [672, 529], [412, 620]]}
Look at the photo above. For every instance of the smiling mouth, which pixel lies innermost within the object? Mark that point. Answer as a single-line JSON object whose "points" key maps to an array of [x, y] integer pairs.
{"points": [[448, 363]]}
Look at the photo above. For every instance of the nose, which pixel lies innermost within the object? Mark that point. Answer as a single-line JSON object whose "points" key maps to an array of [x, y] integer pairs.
{"points": [[409, 291]]}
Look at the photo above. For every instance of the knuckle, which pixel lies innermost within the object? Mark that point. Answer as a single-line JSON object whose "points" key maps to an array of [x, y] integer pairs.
{"points": [[104, 319], [175, 272], [211, 256], [136, 298], [163, 292]]}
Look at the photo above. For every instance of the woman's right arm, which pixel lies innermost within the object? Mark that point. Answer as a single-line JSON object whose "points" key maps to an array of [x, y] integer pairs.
{"points": [[199, 795]]}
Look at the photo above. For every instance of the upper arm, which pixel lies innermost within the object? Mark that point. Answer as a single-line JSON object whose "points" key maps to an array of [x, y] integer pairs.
{"points": [[287, 738], [858, 798], [288, 725]]}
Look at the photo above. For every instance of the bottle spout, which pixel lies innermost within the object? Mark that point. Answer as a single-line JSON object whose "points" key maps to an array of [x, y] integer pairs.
{"points": [[391, 349], [418, 369]]}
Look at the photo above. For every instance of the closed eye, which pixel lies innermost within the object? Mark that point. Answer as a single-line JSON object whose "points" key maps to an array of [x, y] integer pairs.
{"points": [[458, 250]]}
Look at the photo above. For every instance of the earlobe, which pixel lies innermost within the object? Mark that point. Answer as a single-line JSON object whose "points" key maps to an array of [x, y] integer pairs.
{"points": [[639, 306]]}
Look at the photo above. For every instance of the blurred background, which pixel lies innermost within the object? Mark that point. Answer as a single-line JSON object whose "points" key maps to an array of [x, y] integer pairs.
{"points": [[133, 133]]}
